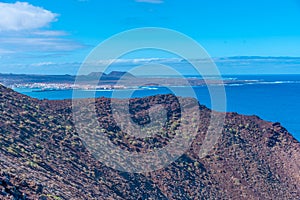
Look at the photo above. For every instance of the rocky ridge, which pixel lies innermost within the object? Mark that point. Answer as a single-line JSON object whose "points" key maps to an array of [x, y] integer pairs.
{"points": [[42, 156]]}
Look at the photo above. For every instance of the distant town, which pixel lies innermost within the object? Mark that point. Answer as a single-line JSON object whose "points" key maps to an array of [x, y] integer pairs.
{"points": [[111, 81], [66, 86]]}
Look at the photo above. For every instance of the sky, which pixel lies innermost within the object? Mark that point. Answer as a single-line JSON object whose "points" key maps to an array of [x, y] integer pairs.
{"points": [[54, 37]]}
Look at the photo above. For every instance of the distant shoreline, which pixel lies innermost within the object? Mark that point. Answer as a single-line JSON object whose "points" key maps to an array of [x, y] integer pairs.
{"points": [[116, 81]]}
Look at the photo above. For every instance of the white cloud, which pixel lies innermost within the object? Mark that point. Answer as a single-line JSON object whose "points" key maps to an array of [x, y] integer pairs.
{"points": [[50, 33], [23, 16], [136, 61], [39, 44], [23, 30], [41, 64], [25, 35], [150, 1], [5, 51]]}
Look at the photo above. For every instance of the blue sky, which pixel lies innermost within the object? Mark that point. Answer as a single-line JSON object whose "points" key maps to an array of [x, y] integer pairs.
{"points": [[55, 36]]}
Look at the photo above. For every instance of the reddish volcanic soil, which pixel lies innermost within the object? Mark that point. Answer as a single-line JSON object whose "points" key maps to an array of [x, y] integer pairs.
{"points": [[42, 156]]}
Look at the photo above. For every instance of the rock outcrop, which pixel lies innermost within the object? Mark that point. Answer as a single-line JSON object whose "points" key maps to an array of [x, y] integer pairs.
{"points": [[42, 156]]}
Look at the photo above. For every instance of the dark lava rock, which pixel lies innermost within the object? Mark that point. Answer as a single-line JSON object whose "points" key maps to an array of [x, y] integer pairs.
{"points": [[42, 157]]}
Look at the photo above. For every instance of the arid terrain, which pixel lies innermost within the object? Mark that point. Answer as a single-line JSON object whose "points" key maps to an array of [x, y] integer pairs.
{"points": [[118, 79], [42, 156]]}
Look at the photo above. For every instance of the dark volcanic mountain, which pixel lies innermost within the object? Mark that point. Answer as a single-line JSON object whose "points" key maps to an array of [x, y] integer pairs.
{"points": [[42, 157]]}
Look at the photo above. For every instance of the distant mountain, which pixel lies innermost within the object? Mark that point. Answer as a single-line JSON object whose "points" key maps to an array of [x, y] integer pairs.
{"points": [[114, 75], [118, 74], [11, 79], [42, 157], [96, 74]]}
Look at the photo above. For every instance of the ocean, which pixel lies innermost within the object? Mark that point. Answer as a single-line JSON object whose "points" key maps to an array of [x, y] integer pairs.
{"points": [[273, 98]]}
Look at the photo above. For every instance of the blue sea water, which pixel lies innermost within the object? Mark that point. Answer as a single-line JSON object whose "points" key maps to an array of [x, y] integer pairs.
{"points": [[271, 97]]}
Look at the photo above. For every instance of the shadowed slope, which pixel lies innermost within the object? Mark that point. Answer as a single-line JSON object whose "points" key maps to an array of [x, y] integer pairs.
{"points": [[41, 156]]}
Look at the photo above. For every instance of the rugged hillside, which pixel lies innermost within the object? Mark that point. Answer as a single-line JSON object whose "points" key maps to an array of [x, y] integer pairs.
{"points": [[42, 157]]}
